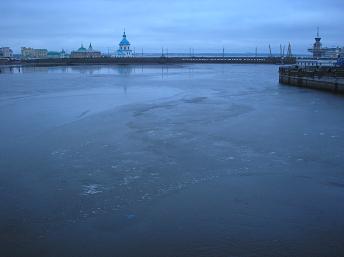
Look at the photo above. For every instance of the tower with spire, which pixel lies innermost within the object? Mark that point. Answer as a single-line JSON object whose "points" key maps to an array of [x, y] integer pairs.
{"points": [[317, 46], [319, 51], [124, 47], [90, 48]]}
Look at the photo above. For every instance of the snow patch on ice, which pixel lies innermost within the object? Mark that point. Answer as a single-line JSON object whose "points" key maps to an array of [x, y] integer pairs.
{"points": [[92, 189]]}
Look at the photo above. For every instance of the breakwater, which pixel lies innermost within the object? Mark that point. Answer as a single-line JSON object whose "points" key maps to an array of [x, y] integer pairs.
{"points": [[150, 60], [323, 78]]}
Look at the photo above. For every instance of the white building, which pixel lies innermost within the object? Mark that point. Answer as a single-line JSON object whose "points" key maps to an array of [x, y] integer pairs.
{"points": [[124, 48], [6, 52], [30, 53]]}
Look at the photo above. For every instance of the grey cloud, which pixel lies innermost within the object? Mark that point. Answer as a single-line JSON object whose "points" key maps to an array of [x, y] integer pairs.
{"points": [[152, 24]]}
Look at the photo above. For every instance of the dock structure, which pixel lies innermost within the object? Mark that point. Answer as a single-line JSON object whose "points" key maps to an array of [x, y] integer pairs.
{"points": [[328, 78], [240, 60], [151, 60]]}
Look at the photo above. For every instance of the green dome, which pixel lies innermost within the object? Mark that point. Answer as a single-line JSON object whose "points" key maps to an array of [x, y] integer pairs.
{"points": [[82, 49]]}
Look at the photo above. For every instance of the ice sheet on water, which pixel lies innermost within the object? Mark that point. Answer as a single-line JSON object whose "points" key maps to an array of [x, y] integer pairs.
{"points": [[92, 189]]}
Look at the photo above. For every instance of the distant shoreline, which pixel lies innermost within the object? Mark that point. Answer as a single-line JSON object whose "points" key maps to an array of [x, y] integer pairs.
{"points": [[148, 60]]}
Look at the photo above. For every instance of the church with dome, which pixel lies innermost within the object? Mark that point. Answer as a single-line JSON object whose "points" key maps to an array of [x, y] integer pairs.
{"points": [[124, 48]]}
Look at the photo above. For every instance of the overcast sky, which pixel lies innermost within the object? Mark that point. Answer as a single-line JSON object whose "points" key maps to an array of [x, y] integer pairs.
{"points": [[205, 25]]}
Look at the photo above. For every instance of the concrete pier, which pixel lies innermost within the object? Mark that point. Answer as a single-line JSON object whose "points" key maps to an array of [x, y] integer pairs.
{"points": [[151, 60], [321, 78]]}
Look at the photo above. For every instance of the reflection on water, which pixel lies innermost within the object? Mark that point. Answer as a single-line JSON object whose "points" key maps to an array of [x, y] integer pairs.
{"points": [[120, 69], [11, 69], [123, 70]]}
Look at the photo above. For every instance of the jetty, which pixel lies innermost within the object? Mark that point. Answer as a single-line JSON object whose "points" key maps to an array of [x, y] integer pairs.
{"points": [[329, 78], [149, 60]]}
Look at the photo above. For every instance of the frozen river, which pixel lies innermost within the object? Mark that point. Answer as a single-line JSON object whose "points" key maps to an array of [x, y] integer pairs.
{"points": [[168, 161]]}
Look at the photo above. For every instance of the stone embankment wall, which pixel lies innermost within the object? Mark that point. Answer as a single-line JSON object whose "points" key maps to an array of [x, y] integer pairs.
{"points": [[322, 78]]}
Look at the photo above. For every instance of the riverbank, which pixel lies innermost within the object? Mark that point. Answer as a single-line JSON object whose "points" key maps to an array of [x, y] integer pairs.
{"points": [[321, 78], [148, 60]]}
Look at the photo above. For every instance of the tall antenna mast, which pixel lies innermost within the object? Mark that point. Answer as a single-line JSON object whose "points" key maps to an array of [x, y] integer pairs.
{"points": [[270, 50], [289, 54]]}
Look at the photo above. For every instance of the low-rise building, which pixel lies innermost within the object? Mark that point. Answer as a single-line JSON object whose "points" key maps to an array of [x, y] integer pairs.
{"points": [[31, 53], [6, 52], [56, 55], [82, 52]]}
